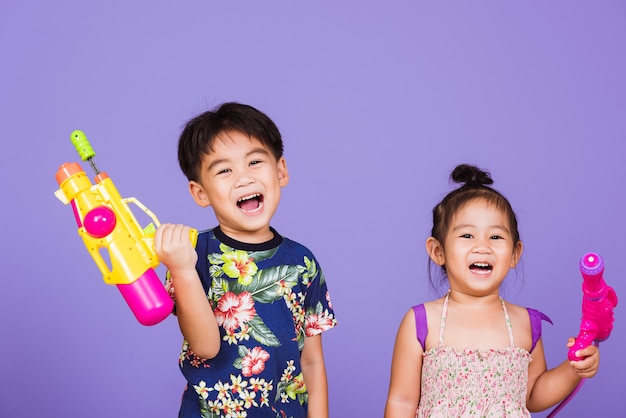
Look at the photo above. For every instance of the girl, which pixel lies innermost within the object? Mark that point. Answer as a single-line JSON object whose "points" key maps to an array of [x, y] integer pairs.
{"points": [[471, 353]]}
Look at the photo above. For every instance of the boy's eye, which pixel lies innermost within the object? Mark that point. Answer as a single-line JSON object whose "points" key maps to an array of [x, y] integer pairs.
{"points": [[225, 170], [255, 162]]}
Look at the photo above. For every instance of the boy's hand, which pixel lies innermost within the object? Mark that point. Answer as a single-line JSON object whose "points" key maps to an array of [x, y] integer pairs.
{"points": [[588, 366], [174, 248]]}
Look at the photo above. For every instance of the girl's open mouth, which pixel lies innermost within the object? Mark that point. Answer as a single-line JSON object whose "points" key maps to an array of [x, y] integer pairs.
{"points": [[481, 268]]}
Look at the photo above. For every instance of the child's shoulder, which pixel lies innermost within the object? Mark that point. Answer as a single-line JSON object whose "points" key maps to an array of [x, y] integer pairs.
{"points": [[292, 242], [515, 309], [434, 305], [432, 310], [525, 312], [295, 247], [527, 324]]}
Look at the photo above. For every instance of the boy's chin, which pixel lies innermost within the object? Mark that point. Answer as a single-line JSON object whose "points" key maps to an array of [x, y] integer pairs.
{"points": [[248, 227]]}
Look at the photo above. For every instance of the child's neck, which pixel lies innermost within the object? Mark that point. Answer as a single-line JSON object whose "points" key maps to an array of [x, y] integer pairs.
{"points": [[252, 237], [474, 301]]}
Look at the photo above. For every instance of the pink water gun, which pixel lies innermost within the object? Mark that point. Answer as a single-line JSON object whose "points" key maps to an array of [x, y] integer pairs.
{"points": [[599, 299], [596, 324]]}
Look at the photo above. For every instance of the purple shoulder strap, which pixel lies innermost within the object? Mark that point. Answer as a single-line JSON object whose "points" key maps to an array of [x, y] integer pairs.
{"points": [[421, 325], [535, 324]]}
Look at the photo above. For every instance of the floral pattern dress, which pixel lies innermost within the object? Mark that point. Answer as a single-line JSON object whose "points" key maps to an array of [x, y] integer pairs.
{"points": [[474, 383], [266, 298]]}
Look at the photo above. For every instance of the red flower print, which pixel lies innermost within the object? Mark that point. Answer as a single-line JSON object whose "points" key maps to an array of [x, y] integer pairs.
{"points": [[254, 362], [234, 310], [317, 323]]}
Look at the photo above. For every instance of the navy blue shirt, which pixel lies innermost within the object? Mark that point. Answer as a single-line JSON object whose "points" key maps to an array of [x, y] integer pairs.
{"points": [[266, 298]]}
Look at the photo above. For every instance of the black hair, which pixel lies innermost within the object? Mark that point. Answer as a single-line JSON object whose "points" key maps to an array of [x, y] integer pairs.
{"points": [[199, 134], [476, 185]]}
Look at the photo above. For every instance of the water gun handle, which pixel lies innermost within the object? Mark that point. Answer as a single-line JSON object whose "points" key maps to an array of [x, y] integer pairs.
{"points": [[599, 300]]}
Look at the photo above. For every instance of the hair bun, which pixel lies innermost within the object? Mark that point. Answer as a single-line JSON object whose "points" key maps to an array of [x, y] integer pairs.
{"points": [[471, 175]]}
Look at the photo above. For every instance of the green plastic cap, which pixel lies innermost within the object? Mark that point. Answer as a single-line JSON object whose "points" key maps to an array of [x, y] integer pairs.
{"points": [[83, 147]]}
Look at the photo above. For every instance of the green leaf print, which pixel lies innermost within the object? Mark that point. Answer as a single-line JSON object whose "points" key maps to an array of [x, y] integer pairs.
{"points": [[322, 278], [261, 333], [215, 271], [262, 255], [285, 391], [242, 350], [319, 308], [311, 270], [204, 409], [267, 283], [219, 287], [238, 363]]}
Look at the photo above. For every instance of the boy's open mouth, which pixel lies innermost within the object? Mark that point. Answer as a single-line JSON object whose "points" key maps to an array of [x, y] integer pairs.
{"points": [[481, 268], [251, 203]]}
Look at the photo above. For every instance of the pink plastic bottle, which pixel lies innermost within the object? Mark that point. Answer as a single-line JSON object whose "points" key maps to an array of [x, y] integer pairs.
{"points": [[147, 298]]}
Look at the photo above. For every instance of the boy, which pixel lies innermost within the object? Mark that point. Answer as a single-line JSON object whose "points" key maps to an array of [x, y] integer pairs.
{"points": [[251, 304]]}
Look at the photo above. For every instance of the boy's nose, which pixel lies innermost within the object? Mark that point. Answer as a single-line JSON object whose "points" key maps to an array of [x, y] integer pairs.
{"points": [[244, 180]]}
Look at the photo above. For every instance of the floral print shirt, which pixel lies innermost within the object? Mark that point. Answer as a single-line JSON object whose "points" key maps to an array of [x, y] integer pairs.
{"points": [[266, 298]]}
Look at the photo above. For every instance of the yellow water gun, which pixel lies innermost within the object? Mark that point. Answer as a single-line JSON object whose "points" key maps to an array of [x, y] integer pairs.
{"points": [[122, 249]]}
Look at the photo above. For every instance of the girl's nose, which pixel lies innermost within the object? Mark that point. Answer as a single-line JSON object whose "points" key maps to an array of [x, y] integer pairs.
{"points": [[481, 247]]}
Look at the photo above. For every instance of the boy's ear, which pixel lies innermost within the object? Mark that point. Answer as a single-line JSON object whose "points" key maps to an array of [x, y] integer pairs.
{"points": [[517, 254], [435, 251], [283, 173], [199, 195]]}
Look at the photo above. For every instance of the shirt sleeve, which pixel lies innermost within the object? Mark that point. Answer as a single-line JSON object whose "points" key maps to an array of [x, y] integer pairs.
{"points": [[318, 308]]}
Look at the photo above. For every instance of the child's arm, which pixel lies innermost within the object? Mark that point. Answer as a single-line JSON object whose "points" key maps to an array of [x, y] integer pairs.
{"points": [[404, 387], [195, 316], [314, 373], [548, 387]]}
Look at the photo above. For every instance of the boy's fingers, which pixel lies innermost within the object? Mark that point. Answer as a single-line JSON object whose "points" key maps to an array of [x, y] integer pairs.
{"points": [[174, 231], [180, 231]]}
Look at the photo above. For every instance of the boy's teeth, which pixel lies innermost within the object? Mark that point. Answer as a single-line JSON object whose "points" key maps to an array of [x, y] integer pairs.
{"points": [[252, 196], [251, 203]]}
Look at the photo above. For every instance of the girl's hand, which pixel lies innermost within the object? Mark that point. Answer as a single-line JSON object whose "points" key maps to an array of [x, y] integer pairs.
{"points": [[588, 366], [174, 249]]}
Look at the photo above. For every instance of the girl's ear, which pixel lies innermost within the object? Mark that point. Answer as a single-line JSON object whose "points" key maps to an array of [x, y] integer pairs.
{"points": [[199, 195], [517, 254], [435, 251], [283, 173]]}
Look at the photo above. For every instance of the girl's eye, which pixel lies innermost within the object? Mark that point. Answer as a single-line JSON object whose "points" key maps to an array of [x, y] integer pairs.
{"points": [[496, 237], [466, 236]]}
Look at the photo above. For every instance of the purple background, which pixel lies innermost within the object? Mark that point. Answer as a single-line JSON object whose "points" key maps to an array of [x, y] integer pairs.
{"points": [[377, 102]]}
